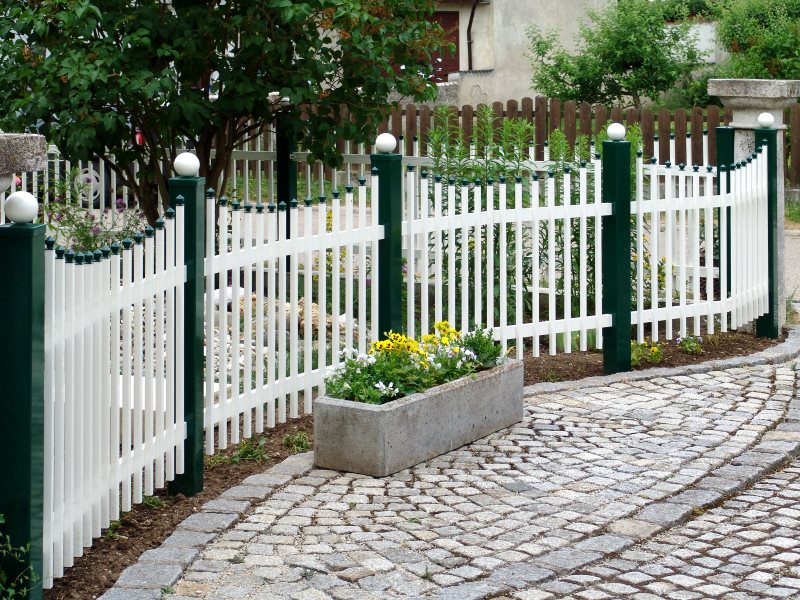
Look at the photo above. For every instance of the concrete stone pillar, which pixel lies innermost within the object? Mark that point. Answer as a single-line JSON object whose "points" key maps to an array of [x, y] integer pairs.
{"points": [[748, 98]]}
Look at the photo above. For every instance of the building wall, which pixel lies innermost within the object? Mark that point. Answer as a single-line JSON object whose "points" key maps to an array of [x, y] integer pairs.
{"points": [[500, 68]]}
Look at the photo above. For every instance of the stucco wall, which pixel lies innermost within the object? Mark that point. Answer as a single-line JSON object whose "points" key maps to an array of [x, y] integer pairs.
{"points": [[500, 68]]}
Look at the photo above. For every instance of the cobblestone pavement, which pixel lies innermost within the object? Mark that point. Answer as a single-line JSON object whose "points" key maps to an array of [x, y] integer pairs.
{"points": [[747, 548], [592, 473]]}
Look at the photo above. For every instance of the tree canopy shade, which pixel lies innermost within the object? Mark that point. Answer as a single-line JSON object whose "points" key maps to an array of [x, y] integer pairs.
{"points": [[628, 52], [89, 73], [762, 36]]}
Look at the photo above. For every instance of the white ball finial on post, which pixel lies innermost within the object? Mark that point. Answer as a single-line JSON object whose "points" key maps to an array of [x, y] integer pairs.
{"points": [[766, 120], [21, 207], [616, 132], [186, 164], [386, 143]]}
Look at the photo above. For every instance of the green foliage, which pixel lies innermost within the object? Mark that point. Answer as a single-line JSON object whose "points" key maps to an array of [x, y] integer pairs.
{"points": [[677, 10], [399, 366], [628, 52], [482, 344], [78, 228], [14, 557], [762, 36], [89, 73], [297, 442], [153, 502], [648, 351], [690, 344], [249, 450]]}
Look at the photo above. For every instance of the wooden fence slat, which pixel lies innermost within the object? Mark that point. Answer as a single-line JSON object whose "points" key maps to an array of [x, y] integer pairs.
{"points": [[586, 119], [697, 136], [467, 117], [497, 109], [554, 118], [712, 122], [411, 128], [570, 126], [600, 118], [631, 117], [424, 126], [512, 109], [616, 115], [680, 137], [541, 125], [397, 121], [527, 109], [648, 133], [664, 131]]}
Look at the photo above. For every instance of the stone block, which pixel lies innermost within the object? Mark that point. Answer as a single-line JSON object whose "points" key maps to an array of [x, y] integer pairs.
{"points": [[665, 514], [567, 559], [209, 522], [187, 539], [698, 498], [149, 576], [131, 594], [634, 528], [268, 479], [176, 556], [381, 440], [247, 492], [224, 505], [606, 544], [520, 575]]}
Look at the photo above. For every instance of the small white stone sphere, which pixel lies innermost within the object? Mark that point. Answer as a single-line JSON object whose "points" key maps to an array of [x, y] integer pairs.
{"points": [[21, 207], [385, 143], [766, 120], [616, 131], [186, 164]]}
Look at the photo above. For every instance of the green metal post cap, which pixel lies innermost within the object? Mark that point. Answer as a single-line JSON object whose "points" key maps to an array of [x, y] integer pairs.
{"points": [[138, 238], [437, 178], [149, 231], [60, 252], [281, 205], [551, 174], [321, 199], [49, 242], [348, 188], [597, 156], [464, 182], [210, 193], [502, 179], [307, 202], [477, 181], [88, 257], [583, 164], [653, 160], [336, 194], [159, 223], [106, 251], [259, 208], [248, 208], [710, 168], [169, 213], [374, 171], [451, 180], [271, 207], [79, 258], [362, 181], [293, 203], [98, 255], [223, 200], [489, 181], [667, 164], [235, 205], [639, 154], [535, 176], [567, 169], [115, 248], [518, 179], [696, 168], [179, 200], [69, 256], [672, 136], [681, 167], [409, 168], [127, 243], [424, 174]]}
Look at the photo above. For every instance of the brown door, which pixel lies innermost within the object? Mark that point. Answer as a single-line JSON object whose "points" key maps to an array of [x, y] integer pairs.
{"points": [[450, 61]]}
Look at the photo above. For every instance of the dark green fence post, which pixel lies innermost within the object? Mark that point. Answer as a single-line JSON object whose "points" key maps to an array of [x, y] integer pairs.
{"points": [[389, 168], [616, 189], [285, 167], [189, 192], [22, 248], [725, 137], [768, 325]]}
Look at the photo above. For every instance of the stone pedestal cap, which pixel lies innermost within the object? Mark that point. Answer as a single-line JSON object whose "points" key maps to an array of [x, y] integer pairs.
{"points": [[750, 97], [21, 152]]}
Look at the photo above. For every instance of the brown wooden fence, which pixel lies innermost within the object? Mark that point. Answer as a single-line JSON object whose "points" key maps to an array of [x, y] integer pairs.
{"points": [[575, 119]]}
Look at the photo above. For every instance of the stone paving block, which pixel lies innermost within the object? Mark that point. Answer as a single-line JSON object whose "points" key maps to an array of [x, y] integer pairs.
{"points": [[131, 594], [765, 460], [178, 556], [563, 560], [208, 522], [183, 538], [149, 576], [247, 492], [268, 479], [634, 528], [606, 544], [469, 591], [744, 473], [698, 498], [777, 446], [519, 575], [222, 505], [665, 514], [722, 485]]}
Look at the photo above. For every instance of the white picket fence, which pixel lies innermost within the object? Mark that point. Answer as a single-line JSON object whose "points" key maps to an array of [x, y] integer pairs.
{"points": [[315, 284], [114, 425], [683, 214]]}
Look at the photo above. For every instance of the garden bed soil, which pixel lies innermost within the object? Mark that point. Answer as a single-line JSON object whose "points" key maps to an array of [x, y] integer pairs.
{"points": [[147, 525]]}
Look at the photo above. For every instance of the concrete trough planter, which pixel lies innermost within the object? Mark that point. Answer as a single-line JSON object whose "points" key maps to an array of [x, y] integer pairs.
{"points": [[379, 440]]}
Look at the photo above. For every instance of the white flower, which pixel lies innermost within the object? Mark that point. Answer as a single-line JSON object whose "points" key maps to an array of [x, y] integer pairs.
{"points": [[386, 390]]}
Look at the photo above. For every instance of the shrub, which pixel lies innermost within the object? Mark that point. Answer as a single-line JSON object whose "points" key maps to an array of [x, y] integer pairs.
{"points": [[690, 344], [647, 351]]}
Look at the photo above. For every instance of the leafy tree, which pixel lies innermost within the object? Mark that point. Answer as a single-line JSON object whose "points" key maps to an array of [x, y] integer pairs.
{"points": [[762, 36], [627, 52], [90, 74]]}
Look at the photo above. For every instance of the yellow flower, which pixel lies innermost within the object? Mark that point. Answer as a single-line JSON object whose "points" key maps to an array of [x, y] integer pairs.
{"points": [[456, 349], [445, 340], [654, 349]]}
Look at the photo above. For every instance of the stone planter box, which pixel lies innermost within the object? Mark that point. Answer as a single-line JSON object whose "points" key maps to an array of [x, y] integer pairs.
{"points": [[379, 440]]}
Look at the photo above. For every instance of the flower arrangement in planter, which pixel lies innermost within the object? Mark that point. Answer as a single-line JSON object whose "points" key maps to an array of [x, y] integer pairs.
{"points": [[407, 401]]}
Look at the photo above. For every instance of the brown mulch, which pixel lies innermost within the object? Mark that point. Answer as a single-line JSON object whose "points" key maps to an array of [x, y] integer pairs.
{"points": [[569, 367], [146, 526]]}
